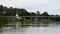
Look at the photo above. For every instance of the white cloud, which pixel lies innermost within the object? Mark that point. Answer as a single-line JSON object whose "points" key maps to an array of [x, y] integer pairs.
{"points": [[34, 5], [23, 2]]}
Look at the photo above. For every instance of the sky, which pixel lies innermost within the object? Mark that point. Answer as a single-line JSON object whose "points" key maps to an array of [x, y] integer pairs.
{"points": [[50, 6]]}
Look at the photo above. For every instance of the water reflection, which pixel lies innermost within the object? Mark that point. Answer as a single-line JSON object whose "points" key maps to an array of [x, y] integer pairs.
{"points": [[50, 29]]}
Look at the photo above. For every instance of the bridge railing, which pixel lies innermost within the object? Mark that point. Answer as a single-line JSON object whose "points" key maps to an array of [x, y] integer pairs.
{"points": [[27, 20]]}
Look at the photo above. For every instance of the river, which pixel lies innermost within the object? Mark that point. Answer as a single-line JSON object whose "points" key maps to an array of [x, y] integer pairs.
{"points": [[51, 29]]}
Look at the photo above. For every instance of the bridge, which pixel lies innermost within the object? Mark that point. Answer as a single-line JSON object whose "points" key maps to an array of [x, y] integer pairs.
{"points": [[31, 19]]}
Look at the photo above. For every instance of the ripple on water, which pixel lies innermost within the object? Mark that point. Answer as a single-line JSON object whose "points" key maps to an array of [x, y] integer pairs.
{"points": [[32, 30]]}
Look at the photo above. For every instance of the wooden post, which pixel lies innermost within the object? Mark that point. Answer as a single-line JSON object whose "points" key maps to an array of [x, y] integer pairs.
{"points": [[31, 21], [36, 21], [24, 21], [42, 19], [48, 19]]}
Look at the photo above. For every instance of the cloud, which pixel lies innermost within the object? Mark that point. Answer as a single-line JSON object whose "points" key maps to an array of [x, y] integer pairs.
{"points": [[34, 5], [23, 2]]}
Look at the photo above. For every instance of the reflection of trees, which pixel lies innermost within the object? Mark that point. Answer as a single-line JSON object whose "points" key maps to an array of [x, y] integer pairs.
{"points": [[3, 21]]}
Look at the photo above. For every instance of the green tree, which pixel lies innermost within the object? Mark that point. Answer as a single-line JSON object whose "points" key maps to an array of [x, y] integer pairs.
{"points": [[45, 14], [1, 10]]}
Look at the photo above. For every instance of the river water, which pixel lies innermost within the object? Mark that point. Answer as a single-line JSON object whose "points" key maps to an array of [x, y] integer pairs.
{"points": [[51, 29]]}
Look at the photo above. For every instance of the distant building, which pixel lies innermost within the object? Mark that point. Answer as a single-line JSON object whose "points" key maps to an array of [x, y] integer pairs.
{"points": [[38, 13]]}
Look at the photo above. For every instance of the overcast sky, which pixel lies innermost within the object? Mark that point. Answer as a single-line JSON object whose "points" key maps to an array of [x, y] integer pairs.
{"points": [[51, 6]]}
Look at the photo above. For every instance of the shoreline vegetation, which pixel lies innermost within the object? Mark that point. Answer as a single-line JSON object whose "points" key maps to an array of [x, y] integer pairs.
{"points": [[5, 11]]}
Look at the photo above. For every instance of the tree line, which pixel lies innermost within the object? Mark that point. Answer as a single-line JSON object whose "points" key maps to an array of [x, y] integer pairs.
{"points": [[5, 11]]}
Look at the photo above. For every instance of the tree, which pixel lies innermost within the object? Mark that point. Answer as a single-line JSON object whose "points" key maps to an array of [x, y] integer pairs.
{"points": [[23, 12], [32, 14], [45, 14], [1, 10]]}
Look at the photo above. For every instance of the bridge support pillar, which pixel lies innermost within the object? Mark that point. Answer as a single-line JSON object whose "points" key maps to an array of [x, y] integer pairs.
{"points": [[24, 21]]}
